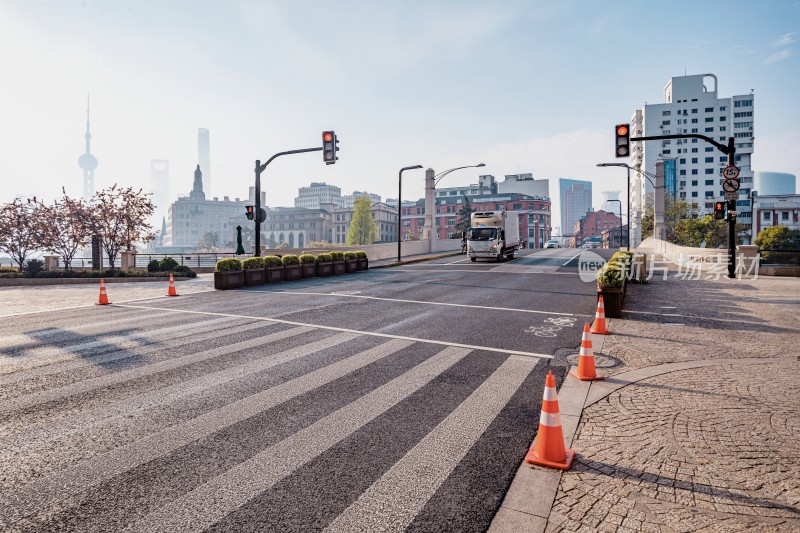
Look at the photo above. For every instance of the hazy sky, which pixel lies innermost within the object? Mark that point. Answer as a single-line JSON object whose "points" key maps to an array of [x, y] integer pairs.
{"points": [[523, 86]]}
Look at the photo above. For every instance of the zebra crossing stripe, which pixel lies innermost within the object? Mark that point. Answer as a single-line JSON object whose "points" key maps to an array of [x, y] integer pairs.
{"points": [[50, 395], [227, 492], [44, 493], [392, 502]]}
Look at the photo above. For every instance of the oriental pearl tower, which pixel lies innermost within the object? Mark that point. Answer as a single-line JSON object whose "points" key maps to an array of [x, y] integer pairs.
{"points": [[88, 162]]}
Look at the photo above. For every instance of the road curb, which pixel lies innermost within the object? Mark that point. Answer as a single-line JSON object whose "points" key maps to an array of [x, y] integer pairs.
{"points": [[410, 261]]}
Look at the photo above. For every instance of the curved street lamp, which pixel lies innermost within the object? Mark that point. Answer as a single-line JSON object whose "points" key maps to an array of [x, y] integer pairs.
{"points": [[400, 205], [444, 173]]}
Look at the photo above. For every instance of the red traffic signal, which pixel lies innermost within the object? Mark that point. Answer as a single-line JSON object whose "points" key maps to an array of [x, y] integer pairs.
{"points": [[719, 210], [249, 210], [329, 147], [622, 132]]}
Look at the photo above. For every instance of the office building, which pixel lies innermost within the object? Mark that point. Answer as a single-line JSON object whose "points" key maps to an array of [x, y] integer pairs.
{"points": [[576, 200], [591, 225], [774, 183], [693, 167]]}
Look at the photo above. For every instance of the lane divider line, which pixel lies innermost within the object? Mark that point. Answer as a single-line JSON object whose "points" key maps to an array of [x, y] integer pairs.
{"points": [[357, 331]]}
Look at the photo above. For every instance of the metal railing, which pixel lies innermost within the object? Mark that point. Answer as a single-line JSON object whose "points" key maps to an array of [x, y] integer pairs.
{"points": [[192, 260]]}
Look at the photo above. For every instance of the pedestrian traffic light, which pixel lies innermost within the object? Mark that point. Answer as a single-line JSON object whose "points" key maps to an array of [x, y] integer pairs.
{"points": [[719, 210], [623, 135], [329, 147], [250, 210]]}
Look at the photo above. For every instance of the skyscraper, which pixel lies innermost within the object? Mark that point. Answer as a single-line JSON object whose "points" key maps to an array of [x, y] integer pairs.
{"points": [[692, 105], [88, 162], [204, 157], [159, 189], [576, 200]]}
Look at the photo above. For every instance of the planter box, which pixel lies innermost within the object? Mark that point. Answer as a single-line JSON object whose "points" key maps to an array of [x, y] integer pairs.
{"points": [[254, 276], [274, 274], [232, 279], [292, 272], [338, 267], [324, 269], [363, 264], [612, 300], [351, 266], [309, 270]]}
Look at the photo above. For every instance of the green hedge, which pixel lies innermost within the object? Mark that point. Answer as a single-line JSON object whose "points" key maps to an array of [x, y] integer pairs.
{"points": [[167, 264], [153, 266], [610, 276], [180, 271], [290, 259], [306, 259], [337, 256], [350, 256], [361, 254], [253, 263], [272, 261], [324, 258], [228, 265]]}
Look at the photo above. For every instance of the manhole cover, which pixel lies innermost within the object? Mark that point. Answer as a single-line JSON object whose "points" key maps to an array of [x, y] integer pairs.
{"points": [[569, 357]]}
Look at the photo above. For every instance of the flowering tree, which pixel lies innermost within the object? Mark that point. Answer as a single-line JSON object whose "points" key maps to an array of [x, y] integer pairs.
{"points": [[63, 227], [18, 237], [120, 217]]}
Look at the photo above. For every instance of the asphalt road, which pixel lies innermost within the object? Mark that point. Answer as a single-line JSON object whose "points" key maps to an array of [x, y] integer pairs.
{"points": [[395, 399]]}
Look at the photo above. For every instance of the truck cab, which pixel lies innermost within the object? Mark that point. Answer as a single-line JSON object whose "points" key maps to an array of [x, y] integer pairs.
{"points": [[493, 235]]}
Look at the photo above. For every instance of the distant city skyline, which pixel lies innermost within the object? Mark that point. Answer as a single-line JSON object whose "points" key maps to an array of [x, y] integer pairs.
{"points": [[523, 86]]}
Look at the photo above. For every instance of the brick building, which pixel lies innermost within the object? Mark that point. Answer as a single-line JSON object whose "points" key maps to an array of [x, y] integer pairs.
{"points": [[593, 224]]}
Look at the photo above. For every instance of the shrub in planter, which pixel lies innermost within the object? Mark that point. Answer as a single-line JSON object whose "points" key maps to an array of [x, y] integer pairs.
{"points": [[350, 262], [324, 265], [153, 266], [254, 273], [610, 279], [167, 264], [274, 268], [363, 262], [184, 270], [228, 274], [308, 265], [291, 267], [338, 262]]}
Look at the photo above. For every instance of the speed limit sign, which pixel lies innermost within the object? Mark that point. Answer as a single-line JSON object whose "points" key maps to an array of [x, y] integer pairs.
{"points": [[730, 172]]}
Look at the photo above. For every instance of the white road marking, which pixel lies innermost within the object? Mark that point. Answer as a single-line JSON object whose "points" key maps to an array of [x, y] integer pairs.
{"points": [[495, 272], [362, 332], [225, 493], [571, 258], [415, 478], [481, 307]]}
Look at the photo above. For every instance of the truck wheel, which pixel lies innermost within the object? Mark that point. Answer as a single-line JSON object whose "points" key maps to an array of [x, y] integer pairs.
{"points": [[511, 255], [500, 257], [473, 259]]}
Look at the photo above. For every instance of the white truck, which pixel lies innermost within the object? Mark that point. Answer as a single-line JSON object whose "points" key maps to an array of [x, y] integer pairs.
{"points": [[493, 235]]}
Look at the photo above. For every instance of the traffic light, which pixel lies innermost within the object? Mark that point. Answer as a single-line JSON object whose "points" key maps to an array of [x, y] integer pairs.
{"points": [[719, 210], [329, 147], [623, 144], [250, 211]]}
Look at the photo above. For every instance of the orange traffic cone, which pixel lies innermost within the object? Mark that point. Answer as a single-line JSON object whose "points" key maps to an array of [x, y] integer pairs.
{"points": [[586, 370], [103, 295], [171, 291], [599, 324], [548, 449]]}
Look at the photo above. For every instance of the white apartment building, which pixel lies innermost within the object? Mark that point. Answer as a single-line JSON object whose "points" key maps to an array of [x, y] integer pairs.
{"points": [[317, 195], [692, 167], [348, 200]]}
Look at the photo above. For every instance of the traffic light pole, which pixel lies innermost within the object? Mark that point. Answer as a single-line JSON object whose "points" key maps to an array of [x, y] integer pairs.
{"points": [[259, 169], [730, 151]]}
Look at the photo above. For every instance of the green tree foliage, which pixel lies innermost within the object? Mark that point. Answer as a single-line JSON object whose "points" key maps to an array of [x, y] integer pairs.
{"points": [[778, 238], [363, 229], [685, 225], [463, 219]]}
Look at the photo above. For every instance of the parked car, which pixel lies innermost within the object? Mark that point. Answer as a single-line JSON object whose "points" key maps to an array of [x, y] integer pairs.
{"points": [[552, 244]]}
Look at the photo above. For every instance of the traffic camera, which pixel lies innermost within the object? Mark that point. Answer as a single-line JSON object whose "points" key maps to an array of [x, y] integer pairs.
{"points": [[623, 137]]}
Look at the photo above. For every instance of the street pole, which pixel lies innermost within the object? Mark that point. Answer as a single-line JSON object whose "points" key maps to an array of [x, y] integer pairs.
{"points": [[257, 213], [400, 206], [731, 218], [628, 242]]}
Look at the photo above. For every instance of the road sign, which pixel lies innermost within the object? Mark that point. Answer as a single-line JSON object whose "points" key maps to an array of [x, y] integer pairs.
{"points": [[730, 185], [730, 172], [731, 195]]}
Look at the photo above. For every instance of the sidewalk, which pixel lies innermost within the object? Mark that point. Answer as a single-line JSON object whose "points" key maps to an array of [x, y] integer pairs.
{"points": [[698, 431]]}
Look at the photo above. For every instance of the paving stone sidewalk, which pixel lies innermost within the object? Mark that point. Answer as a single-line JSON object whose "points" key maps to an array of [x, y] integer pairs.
{"points": [[700, 429]]}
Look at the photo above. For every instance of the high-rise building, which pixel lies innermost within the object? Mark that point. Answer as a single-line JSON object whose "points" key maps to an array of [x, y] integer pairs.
{"points": [[524, 184], [576, 201], [611, 202], [318, 194], [204, 157], [774, 183], [159, 189], [692, 105], [88, 162]]}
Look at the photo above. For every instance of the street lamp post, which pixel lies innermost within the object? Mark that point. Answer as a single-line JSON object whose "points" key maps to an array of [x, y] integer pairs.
{"points": [[438, 177], [400, 205], [629, 195], [620, 224], [430, 196]]}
